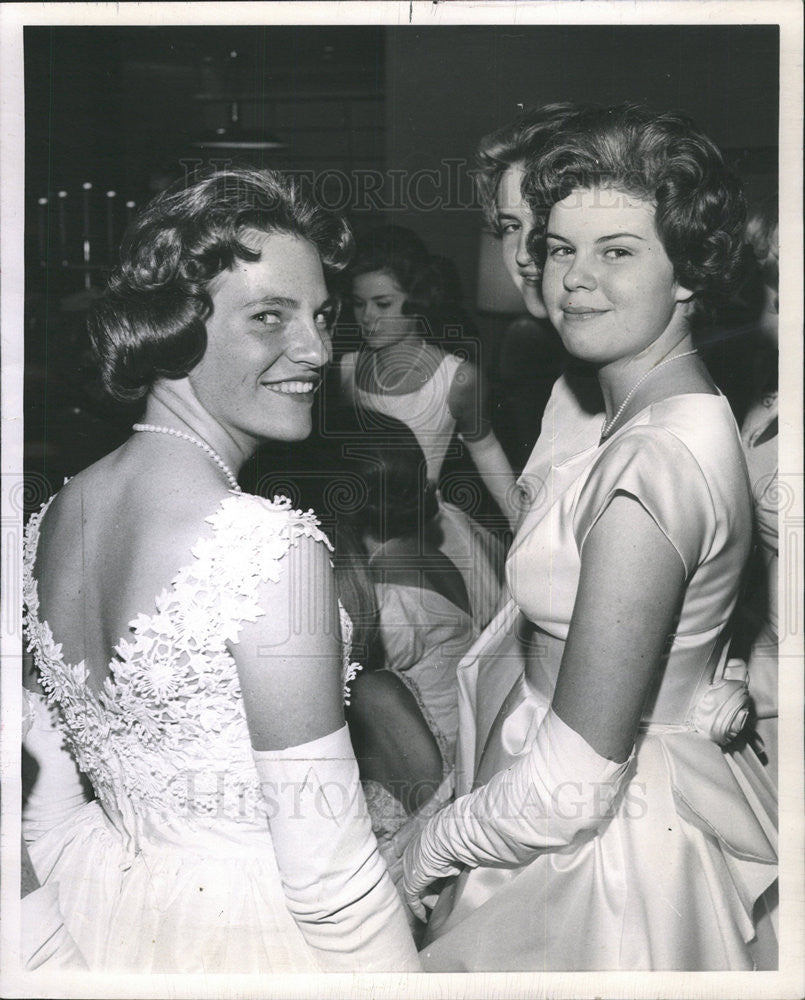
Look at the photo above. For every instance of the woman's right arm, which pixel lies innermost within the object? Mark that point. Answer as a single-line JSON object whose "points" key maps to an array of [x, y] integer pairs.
{"points": [[290, 666]]}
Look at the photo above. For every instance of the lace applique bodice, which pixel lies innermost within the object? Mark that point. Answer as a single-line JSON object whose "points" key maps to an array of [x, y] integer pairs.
{"points": [[167, 733]]}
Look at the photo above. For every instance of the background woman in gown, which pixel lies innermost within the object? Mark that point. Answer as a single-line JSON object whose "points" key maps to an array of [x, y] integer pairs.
{"points": [[188, 633], [758, 619], [618, 821], [403, 718], [402, 300]]}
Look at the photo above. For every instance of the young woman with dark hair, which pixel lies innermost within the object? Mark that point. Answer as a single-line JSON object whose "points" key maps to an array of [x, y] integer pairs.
{"points": [[414, 615], [613, 815], [403, 298]]}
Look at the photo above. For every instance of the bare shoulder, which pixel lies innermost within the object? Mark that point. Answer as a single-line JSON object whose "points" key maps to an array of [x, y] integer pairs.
{"points": [[122, 532]]}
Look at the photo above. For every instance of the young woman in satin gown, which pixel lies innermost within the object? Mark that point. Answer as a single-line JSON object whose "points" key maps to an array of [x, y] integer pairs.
{"points": [[613, 817]]}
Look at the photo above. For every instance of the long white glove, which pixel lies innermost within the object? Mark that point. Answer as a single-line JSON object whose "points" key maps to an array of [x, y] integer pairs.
{"points": [[336, 884], [44, 940], [58, 791], [56, 794], [560, 787]]}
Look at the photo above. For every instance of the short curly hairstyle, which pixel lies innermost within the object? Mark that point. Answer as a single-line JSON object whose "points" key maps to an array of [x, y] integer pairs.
{"points": [[663, 158], [150, 322], [519, 142]]}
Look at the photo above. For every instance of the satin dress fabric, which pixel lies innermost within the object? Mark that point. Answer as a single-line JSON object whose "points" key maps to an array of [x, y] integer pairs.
{"points": [[669, 880]]}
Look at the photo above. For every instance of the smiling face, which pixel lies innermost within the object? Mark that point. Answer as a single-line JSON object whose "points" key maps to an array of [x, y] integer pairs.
{"points": [[516, 222], [608, 284], [267, 338], [378, 301]]}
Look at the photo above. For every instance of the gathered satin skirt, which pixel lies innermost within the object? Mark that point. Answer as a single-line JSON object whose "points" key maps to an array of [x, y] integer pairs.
{"points": [[674, 879]]}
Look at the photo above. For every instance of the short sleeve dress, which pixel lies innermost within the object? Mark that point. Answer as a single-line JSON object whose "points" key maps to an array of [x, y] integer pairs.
{"points": [[671, 877], [171, 868]]}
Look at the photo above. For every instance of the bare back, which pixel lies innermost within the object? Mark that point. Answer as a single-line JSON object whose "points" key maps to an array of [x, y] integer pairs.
{"points": [[110, 542]]}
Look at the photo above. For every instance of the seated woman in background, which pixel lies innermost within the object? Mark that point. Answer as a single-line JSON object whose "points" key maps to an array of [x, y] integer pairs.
{"points": [[199, 695], [402, 299], [414, 612], [614, 816]]}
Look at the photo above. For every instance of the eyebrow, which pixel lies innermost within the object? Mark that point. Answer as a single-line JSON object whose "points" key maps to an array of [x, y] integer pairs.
{"points": [[620, 236], [284, 302], [273, 300], [601, 239]]}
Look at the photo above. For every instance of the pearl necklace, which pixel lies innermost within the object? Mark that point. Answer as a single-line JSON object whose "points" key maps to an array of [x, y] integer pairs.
{"points": [[230, 475], [407, 368], [608, 426]]}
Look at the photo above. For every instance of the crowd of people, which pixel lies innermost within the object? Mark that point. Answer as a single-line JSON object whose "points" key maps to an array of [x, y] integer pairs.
{"points": [[385, 736]]}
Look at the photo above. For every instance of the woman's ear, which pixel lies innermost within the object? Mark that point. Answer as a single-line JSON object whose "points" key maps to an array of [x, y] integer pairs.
{"points": [[683, 294]]}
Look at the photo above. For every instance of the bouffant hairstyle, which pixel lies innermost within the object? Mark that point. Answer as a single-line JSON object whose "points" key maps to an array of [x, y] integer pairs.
{"points": [[430, 283], [662, 158], [150, 322], [516, 143]]}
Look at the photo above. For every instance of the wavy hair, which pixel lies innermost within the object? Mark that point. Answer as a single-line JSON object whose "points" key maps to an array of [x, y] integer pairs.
{"points": [[663, 158], [519, 142], [150, 322]]}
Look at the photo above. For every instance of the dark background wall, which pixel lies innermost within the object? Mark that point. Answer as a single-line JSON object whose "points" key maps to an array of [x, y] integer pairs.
{"points": [[119, 107], [446, 87], [384, 119]]}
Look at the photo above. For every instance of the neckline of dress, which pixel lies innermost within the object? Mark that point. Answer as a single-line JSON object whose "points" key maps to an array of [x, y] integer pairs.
{"points": [[590, 435], [387, 394], [718, 394]]}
